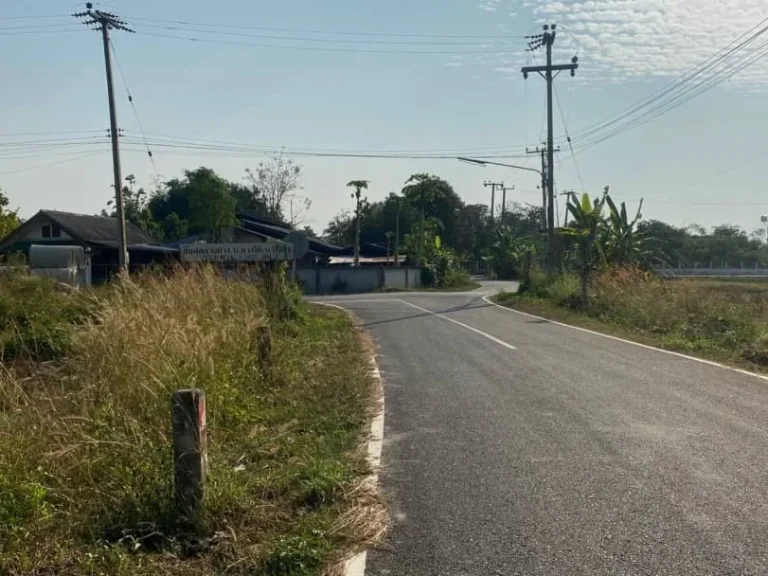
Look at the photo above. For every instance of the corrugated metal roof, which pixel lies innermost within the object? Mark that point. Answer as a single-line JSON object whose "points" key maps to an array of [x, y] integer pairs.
{"points": [[276, 230], [97, 229]]}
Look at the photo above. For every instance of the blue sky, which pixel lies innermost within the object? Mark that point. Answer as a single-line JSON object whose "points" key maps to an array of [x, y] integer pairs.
{"points": [[688, 164]]}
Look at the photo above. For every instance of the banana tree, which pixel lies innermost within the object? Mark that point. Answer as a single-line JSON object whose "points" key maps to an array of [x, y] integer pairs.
{"points": [[623, 243], [420, 190], [586, 225]]}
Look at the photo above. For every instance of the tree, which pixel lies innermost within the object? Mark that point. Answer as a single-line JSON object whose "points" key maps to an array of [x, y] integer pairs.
{"points": [[9, 219], [586, 223], [248, 199], [276, 182], [199, 203], [623, 243], [211, 206], [341, 230], [419, 190], [135, 209]]}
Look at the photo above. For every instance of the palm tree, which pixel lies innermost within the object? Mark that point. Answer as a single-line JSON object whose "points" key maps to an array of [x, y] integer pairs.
{"points": [[359, 185]]}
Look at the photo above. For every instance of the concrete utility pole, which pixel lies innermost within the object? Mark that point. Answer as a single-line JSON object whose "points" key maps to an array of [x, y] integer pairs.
{"points": [[546, 225], [104, 21], [397, 232], [504, 202], [493, 186], [358, 185], [547, 39]]}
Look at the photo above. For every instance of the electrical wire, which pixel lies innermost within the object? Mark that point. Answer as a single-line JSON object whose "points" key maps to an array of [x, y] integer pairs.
{"points": [[328, 32], [35, 33], [38, 167], [444, 151], [13, 134], [47, 17], [319, 48], [482, 43], [133, 106], [685, 87], [568, 138], [38, 26], [690, 93]]}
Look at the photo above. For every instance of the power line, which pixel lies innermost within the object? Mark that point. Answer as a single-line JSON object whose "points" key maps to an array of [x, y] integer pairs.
{"points": [[421, 42], [38, 167], [13, 134], [38, 26], [35, 33], [448, 152], [43, 17], [673, 94], [682, 98], [568, 138], [133, 106], [328, 32], [47, 153], [320, 48]]}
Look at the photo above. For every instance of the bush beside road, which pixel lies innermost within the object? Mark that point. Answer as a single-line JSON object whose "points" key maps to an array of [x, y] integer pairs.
{"points": [[86, 470]]}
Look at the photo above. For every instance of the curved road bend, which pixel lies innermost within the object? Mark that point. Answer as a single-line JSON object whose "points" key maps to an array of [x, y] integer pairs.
{"points": [[514, 446]]}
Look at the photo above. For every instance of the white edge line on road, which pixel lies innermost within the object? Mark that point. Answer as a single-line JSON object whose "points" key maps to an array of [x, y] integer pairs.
{"points": [[355, 566], [617, 339], [466, 326], [334, 303]]}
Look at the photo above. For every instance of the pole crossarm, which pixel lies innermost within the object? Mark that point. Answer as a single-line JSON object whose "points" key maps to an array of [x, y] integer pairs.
{"points": [[555, 67]]}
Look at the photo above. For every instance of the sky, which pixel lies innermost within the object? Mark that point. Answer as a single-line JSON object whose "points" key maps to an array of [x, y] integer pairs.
{"points": [[403, 77]]}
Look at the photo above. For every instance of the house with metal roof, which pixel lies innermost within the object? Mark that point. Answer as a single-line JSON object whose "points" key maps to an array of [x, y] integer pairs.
{"points": [[96, 234]]}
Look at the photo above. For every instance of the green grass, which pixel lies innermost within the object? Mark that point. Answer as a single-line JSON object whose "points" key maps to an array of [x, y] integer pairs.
{"points": [[38, 317], [85, 447], [724, 321]]}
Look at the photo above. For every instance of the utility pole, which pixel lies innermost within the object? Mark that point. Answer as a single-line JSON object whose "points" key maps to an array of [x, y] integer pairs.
{"points": [[493, 186], [504, 202], [546, 224], [397, 232], [105, 21], [547, 39], [358, 185]]}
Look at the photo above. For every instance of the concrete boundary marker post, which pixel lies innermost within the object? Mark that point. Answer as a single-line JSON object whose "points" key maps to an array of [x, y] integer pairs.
{"points": [[190, 456]]}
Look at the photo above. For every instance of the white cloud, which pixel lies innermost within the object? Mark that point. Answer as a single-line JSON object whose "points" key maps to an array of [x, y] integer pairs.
{"points": [[453, 64], [490, 5], [648, 38]]}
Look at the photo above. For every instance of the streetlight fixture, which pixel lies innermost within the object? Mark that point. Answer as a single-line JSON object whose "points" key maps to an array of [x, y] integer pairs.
{"points": [[484, 163], [488, 162], [514, 166]]}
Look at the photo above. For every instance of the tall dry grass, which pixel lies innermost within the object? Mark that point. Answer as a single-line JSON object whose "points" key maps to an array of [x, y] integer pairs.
{"points": [[723, 320], [85, 457]]}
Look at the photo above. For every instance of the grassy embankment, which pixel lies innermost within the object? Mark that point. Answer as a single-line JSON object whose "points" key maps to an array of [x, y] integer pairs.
{"points": [[719, 320], [85, 449]]}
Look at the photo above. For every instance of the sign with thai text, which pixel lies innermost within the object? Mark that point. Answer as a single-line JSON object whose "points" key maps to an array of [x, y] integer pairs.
{"points": [[257, 252]]}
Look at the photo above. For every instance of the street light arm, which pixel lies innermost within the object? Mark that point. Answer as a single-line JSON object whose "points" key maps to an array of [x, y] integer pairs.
{"points": [[487, 162]]}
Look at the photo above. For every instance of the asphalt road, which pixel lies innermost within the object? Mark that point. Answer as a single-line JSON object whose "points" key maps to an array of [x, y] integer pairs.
{"points": [[516, 446]]}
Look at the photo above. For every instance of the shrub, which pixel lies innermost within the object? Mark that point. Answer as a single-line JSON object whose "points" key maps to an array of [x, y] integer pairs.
{"points": [[455, 278], [37, 316]]}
